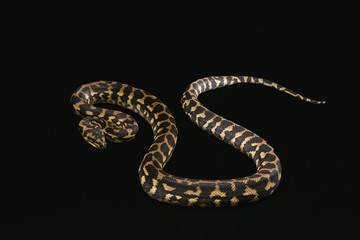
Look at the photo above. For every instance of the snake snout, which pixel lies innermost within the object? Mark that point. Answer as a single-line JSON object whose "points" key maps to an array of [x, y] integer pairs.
{"points": [[101, 145], [96, 144]]}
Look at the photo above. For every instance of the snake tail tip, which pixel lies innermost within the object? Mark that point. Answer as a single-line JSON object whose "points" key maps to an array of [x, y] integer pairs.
{"points": [[316, 102]]}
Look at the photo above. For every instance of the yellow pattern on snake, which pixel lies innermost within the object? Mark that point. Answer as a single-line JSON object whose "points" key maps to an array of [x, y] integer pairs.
{"points": [[98, 124]]}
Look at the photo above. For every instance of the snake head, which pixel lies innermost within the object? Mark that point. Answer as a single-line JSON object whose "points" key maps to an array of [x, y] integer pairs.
{"points": [[92, 131]]}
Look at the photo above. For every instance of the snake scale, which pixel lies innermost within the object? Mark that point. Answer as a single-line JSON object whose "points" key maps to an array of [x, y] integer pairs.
{"points": [[98, 124]]}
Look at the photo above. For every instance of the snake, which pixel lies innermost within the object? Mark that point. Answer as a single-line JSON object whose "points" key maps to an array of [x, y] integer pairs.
{"points": [[100, 124]]}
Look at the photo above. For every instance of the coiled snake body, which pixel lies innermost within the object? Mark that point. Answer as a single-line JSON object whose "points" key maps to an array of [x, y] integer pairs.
{"points": [[99, 123]]}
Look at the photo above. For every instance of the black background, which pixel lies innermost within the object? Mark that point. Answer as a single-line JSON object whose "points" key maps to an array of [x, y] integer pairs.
{"points": [[52, 181]]}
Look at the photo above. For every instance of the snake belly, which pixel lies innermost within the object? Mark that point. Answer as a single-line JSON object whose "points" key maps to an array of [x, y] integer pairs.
{"points": [[156, 182]]}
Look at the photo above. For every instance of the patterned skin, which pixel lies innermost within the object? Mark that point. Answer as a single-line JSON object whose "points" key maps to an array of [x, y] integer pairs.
{"points": [[98, 124]]}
